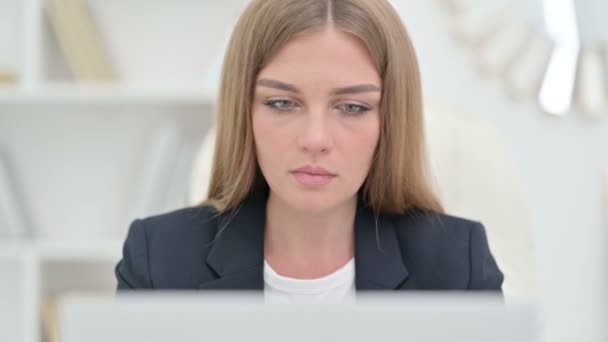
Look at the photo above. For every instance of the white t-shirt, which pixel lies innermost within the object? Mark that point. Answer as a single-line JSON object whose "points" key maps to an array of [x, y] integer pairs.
{"points": [[337, 287]]}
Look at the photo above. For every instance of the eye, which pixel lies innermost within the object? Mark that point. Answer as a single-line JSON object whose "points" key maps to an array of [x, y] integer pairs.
{"points": [[281, 105], [354, 109]]}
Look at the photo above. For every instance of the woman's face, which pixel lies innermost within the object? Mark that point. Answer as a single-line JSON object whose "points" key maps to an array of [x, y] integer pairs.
{"points": [[316, 120]]}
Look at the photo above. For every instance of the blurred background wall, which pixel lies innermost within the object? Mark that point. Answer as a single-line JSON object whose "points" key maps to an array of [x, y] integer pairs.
{"points": [[562, 161]]}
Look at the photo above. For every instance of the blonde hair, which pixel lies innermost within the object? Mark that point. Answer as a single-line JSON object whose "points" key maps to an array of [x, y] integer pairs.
{"points": [[398, 178]]}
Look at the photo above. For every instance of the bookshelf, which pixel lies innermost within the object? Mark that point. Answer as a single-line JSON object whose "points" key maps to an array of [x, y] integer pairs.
{"points": [[167, 44], [89, 156], [66, 93]]}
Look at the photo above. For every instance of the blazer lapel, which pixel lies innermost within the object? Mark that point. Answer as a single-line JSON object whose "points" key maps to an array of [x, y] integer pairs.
{"points": [[237, 254], [378, 261]]}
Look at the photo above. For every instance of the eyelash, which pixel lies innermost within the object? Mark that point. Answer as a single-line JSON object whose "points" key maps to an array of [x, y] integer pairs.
{"points": [[272, 105]]}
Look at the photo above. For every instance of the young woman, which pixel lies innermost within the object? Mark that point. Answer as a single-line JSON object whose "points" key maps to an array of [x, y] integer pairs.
{"points": [[319, 187]]}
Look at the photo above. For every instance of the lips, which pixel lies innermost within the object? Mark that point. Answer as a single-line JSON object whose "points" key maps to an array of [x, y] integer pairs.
{"points": [[313, 176], [314, 170]]}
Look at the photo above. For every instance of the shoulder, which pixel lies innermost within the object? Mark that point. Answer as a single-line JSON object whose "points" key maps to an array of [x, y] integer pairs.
{"points": [[419, 225], [185, 223], [429, 237], [443, 248], [159, 247], [180, 235]]}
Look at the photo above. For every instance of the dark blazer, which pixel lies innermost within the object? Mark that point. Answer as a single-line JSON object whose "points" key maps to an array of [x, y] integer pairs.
{"points": [[195, 248]]}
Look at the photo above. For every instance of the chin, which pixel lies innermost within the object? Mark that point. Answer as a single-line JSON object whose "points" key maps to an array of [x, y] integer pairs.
{"points": [[315, 203], [312, 207], [311, 201]]}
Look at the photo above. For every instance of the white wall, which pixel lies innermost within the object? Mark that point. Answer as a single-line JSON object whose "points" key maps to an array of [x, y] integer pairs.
{"points": [[562, 161]]}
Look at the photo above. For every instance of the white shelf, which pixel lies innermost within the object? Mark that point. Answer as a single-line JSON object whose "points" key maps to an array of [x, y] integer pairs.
{"points": [[65, 93], [79, 250], [37, 262], [63, 250], [58, 130]]}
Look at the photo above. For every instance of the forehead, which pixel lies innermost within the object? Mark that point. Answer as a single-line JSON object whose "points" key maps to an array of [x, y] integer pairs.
{"points": [[329, 54]]}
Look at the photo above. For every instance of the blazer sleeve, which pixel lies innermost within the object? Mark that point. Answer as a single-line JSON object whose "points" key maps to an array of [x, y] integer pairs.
{"points": [[132, 272], [484, 273]]}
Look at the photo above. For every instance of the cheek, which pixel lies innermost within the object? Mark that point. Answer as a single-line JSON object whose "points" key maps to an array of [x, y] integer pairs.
{"points": [[364, 141], [269, 140], [260, 134]]}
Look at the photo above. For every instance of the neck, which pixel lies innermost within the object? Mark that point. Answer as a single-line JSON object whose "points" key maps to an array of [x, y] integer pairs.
{"points": [[304, 245]]}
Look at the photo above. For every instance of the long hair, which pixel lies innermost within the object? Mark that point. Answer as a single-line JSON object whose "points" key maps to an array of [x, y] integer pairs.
{"points": [[398, 179]]}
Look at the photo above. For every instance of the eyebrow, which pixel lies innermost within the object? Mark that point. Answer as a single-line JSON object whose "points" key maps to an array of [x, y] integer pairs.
{"points": [[359, 88]]}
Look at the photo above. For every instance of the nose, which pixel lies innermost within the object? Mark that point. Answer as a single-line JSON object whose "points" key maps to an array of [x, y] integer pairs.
{"points": [[315, 134]]}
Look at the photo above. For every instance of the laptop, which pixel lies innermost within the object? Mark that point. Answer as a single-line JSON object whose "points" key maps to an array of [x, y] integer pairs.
{"points": [[242, 316]]}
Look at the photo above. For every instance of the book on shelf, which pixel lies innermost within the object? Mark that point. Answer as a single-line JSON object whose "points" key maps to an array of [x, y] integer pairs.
{"points": [[50, 319], [12, 218], [80, 40], [7, 77]]}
